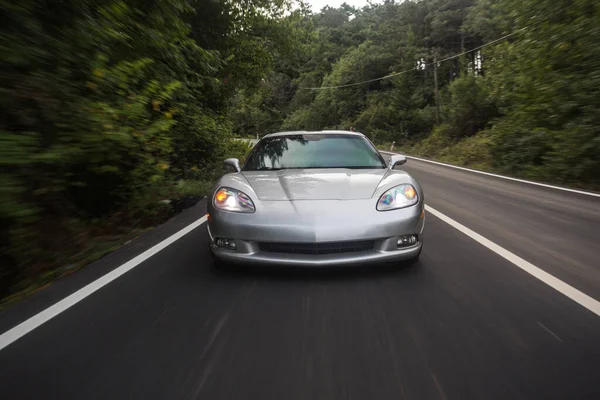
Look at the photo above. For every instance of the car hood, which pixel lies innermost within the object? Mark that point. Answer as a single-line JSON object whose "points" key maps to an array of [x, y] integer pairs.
{"points": [[315, 184]]}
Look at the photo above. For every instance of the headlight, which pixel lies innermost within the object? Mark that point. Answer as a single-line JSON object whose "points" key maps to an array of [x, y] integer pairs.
{"points": [[398, 197], [228, 199]]}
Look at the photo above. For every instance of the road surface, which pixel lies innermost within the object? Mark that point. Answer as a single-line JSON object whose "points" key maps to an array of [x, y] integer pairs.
{"points": [[464, 324]]}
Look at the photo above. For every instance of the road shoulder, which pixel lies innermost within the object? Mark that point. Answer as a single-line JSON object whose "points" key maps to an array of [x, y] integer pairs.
{"points": [[39, 301]]}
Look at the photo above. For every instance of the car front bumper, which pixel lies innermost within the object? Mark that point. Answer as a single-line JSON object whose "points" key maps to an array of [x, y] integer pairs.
{"points": [[327, 221], [326, 260]]}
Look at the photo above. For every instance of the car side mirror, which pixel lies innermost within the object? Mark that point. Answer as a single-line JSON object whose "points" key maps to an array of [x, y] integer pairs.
{"points": [[234, 163], [396, 159]]}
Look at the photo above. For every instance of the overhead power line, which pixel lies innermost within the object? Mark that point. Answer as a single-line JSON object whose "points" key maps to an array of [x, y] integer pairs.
{"points": [[431, 63], [414, 68]]}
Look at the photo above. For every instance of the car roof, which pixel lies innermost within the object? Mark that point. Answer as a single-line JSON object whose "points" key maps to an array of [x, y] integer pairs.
{"points": [[327, 132]]}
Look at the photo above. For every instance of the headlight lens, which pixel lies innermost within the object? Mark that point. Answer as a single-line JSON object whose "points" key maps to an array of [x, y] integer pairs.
{"points": [[228, 199], [398, 197]]}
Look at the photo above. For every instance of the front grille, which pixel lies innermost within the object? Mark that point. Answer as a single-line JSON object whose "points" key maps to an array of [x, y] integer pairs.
{"points": [[317, 248]]}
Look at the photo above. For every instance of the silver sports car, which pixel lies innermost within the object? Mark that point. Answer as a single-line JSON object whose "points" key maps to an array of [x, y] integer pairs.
{"points": [[316, 199]]}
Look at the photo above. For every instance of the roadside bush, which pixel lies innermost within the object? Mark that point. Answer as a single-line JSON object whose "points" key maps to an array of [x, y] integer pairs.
{"points": [[474, 151], [438, 140], [109, 107], [470, 106]]}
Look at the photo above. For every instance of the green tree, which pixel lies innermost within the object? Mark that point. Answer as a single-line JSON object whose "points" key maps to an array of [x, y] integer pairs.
{"points": [[108, 104]]}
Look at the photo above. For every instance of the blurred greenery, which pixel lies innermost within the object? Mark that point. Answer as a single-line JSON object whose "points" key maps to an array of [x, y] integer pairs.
{"points": [[110, 107]]}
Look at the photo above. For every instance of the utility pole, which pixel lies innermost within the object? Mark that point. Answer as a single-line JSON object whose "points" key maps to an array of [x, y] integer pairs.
{"points": [[437, 93], [462, 61]]}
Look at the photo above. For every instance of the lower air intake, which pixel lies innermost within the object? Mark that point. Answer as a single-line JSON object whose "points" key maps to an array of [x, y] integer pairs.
{"points": [[318, 248]]}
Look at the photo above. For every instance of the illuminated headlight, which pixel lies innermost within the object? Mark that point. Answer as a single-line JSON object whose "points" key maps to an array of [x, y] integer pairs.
{"points": [[398, 197], [228, 199]]}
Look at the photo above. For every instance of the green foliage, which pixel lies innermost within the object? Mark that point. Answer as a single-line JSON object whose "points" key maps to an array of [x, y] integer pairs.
{"points": [[470, 107], [297, 120], [238, 149], [233, 148], [109, 106], [529, 104], [547, 90], [473, 151]]}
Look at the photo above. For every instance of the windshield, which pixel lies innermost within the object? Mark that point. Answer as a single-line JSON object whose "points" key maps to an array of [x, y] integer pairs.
{"points": [[314, 151]]}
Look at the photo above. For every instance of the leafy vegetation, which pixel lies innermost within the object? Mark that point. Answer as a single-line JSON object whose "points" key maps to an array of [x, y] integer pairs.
{"points": [[527, 105], [110, 107]]}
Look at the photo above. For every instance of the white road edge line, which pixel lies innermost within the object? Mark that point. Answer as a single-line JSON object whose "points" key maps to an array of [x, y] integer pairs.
{"points": [[14, 334], [577, 296], [499, 176]]}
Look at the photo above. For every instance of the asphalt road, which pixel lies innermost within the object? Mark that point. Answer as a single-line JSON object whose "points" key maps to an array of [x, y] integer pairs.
{"points": [[463, 324]]}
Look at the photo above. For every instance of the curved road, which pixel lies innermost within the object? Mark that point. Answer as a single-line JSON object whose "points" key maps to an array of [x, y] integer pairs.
{"points": [[464, 324]]}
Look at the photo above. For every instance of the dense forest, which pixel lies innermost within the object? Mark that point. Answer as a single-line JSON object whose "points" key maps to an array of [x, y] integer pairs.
{"points": [[515, 88], [110, 107], [112, 111]]}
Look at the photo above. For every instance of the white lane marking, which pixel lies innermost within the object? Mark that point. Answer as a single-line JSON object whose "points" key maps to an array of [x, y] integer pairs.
{"points": [[549, 331], [577, 296], [500, 176], [34, 322]]}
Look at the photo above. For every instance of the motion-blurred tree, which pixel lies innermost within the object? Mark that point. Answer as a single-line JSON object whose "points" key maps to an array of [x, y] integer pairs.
{"points": [[107, 103]]}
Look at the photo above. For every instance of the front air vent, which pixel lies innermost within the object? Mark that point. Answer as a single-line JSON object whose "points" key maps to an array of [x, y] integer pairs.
{"points": [[318, 248]]}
